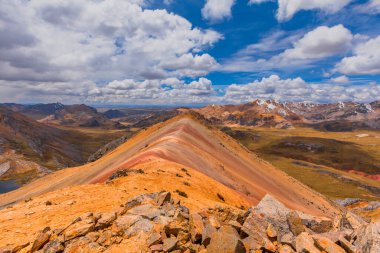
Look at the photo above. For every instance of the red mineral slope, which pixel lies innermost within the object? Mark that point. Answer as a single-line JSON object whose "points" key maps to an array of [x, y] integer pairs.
{"points": [[186, 142]]}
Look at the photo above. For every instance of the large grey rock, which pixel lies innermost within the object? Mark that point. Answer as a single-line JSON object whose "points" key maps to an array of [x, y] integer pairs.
{"points": [[122, 223], [140, 226], [147, 211]]}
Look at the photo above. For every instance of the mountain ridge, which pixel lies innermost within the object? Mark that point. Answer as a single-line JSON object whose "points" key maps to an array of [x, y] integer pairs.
{"points": [[271, 113], [185, 141]]}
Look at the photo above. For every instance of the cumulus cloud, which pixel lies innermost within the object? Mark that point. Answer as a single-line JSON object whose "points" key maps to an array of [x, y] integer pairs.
{"points": [[288, 8], [55, 41], [190, 65], [298, 51], [297, 90], [320, 43], [340, 79], [128, 91], [173, 91], [217, 10], [365, 59]]}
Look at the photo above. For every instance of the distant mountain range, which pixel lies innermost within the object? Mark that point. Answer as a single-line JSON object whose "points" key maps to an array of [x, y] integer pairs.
{"points": [[29, 148], [65, 115], [343, 116]]}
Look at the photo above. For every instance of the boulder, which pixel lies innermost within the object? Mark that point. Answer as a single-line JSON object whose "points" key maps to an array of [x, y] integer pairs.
{"points": [[368, 238], [274, 212], [83, 245], [305, 243], [348, 220], [105, 239], [169, 244], [226, 240], [53, 247], [285, 249], [295, 223], [41, 239], [140, 226], [271, 207], [156, 248], [287, 239], [271, 231], [122, 223], [327, 245], [105, 220], [207, 233], [136, 201], [196, 227], [163, 197], [154, 238], [255, 224], [147, 211], [177, 225], [78, 229]]}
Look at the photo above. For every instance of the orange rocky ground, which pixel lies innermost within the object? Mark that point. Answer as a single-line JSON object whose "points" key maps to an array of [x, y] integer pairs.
{"points": [[167, 153]]}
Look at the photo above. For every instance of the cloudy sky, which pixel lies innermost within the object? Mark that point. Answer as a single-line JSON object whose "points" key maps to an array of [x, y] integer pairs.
{"points": [[171, 52]]}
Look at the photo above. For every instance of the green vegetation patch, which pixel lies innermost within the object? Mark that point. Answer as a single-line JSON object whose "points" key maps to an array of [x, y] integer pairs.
{"points": [[329, 152]]}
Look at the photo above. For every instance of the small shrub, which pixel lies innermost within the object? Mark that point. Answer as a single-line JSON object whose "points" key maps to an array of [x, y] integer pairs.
{"points": [[184, 170], [220, 197], [139, 171], [186, 183], [178, 175], [117, 174], [187, 173], [181, 193]]}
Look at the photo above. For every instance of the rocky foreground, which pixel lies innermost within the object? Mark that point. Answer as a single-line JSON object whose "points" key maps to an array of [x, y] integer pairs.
{"points": [[158, 223]]}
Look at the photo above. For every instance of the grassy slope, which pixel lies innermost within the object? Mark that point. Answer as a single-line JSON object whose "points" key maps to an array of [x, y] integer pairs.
{"points": [[364, 151], [85, 142]]}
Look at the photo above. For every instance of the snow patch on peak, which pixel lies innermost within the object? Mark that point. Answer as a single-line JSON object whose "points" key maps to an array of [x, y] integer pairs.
{"points": [[368, 107], [271, 106]]}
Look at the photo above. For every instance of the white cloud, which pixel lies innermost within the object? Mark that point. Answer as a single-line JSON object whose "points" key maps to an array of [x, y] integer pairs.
{"points": [[168, 2], [258, 1], [340, 79], [217, 10], [287, 8], [365, 59], [371, 7], [320, 43], [297, 90], [190, 65], [177, 92], [297, 51], [55, 41]]}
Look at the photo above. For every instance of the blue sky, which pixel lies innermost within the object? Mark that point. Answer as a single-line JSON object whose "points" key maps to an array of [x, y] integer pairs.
{"points": [[172, 52]]}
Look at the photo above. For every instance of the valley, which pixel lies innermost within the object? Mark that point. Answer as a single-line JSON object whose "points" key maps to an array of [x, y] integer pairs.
{"points": [[203, 165], [319, 158]]}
